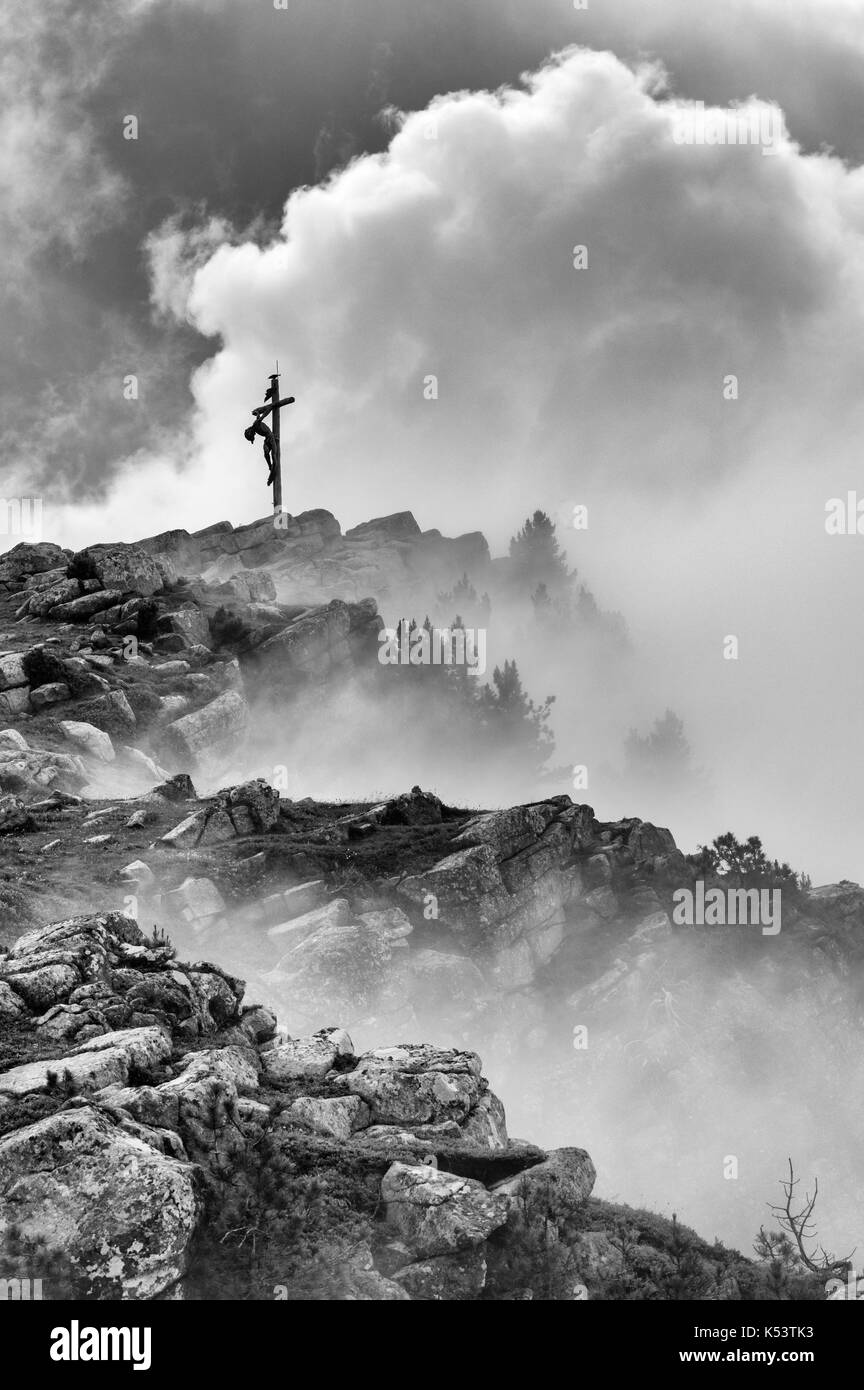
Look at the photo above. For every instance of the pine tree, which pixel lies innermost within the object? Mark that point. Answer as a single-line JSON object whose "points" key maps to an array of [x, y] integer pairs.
{"points": [[537, 557]]}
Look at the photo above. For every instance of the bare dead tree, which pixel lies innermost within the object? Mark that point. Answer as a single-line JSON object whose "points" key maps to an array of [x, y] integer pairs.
{"points": [[801, 1227]]}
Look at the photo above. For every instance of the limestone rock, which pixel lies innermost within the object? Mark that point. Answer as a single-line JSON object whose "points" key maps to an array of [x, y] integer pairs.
{"points": [[417, 1084], [52, 693], [78, 610], [564, 1181], [12, 671], [122, 1211], [259, 799], [98, 1062], [32, 772], [111, 712], [11, 1006], [196, 898], [90, 739], [310, 648], [127, 568], [215, 729], [11, 739], [13, 702], [292, 1058], [30, 558], [335, 1117], [440, 1213], [336, 913], [445, 1278]]}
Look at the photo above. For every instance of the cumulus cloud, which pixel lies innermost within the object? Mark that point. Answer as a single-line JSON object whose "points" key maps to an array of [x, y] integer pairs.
{"points": [[452, 256], [806, 55]]}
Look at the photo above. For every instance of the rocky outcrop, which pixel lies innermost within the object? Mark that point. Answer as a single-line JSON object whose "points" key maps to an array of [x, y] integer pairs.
{"points": [[145, 1096], [309, 561], [101, 1132], [26, 559], [124, 568], [316, 645]]}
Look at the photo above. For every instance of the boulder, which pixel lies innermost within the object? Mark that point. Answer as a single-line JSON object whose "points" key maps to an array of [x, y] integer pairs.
{"points": [[122, 1211], [296, 902], [260, 800], [215, 729], [98, 1062], [34, 771], [413, 808], [11, 1006], [561, 1184], [439, 1213], [196, 898], [78, 610], [305, 1058], [310, 648], [110, 712], [125, 568], [336, 913], [11, 739], [417, 1084], [177, 788], [171, 668], [12, 671], [190, 624], [28, 558], [14, 702], [138, 872], [336, 1117], [446, 1278], [349, 966], [54, 693], [61, 591], [200, 827], [89, 739]]}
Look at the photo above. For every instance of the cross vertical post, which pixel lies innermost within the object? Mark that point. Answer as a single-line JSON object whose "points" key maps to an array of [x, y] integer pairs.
{"points": [[259, 429], [277, 445]]}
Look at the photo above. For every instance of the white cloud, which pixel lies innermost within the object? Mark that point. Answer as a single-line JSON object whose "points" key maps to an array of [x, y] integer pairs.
{"points": [[453, 256]]}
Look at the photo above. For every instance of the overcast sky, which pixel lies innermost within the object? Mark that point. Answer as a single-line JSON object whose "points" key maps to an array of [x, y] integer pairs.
{"points": [[288, 196]]}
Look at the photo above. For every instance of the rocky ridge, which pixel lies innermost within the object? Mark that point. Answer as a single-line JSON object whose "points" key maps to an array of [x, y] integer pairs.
{"points": [[134, 1087], [400, 918]]}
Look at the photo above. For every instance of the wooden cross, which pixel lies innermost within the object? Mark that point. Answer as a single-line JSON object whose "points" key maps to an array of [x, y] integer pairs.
{"points": [[261, 412]]}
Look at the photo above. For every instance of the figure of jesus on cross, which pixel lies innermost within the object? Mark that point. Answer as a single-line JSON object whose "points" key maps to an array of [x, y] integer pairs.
{"points": [[272, 444]]}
